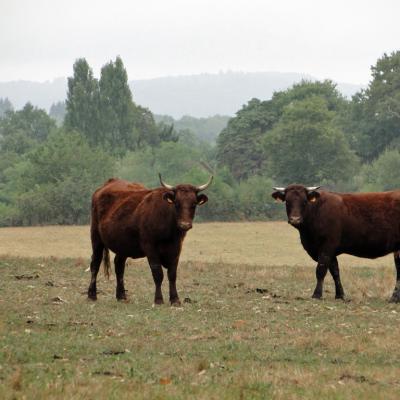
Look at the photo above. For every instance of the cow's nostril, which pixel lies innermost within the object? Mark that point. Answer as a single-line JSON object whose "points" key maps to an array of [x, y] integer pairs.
{"points": [[185, 225], [295, 220]]}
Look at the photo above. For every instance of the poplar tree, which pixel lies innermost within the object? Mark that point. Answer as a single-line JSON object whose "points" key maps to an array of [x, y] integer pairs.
{"points": [[117, 108], [82, 104]]}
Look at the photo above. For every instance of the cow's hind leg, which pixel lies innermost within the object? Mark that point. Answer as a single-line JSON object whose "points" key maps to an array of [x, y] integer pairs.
{"points": [[119, 262], [334, 270], [97, 257], [396, 292], [320, 273]]}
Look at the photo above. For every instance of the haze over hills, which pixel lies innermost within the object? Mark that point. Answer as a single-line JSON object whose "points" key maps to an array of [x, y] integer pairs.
{"points": [[209, 94], [40, 94], [200, 95]]}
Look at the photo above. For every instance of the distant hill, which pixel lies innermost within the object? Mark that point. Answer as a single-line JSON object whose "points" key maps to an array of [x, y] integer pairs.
{"points": [[41, 94], [209, 94], [196, 95]]}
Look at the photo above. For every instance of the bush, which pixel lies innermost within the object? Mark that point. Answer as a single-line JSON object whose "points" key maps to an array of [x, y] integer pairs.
{"points": [[53, 184], [383, 173]]}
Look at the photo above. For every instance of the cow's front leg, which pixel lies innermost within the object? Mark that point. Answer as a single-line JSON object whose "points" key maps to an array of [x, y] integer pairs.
{"points": [[173, 294], [396, 292], [320, 272], [334, 270], [158, 276], [119, 263]]}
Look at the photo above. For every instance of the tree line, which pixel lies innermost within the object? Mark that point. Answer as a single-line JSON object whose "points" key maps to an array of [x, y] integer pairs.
{"points": [[51, 163]]}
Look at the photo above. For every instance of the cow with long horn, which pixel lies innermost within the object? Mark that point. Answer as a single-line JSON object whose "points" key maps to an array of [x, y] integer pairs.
{"points": [[133, 221]]}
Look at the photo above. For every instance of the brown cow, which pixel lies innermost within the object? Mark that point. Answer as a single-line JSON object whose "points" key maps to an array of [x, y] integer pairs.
{"points": [[361, 224], [137, 222]]}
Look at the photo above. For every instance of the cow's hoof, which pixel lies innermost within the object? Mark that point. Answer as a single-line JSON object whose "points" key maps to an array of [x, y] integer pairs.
{"points": [[395, 298], [121, 296], [316, 296], [158, 302], [340, 297], [176, 303], [92, 297]]}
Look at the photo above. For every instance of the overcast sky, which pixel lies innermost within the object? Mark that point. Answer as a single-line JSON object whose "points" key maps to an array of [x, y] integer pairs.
{"points": [[341, 39]]}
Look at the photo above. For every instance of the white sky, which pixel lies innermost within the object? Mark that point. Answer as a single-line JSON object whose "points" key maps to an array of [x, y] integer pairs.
{"points": [[341, 39]]}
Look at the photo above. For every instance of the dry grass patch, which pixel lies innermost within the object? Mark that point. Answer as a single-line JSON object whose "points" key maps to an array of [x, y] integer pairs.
{"points": [[238, 243]]}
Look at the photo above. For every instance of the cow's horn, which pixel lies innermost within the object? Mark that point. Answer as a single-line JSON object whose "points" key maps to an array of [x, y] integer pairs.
{"points": [[206, 185], [165, 184], [279, 189], [312, 188]]}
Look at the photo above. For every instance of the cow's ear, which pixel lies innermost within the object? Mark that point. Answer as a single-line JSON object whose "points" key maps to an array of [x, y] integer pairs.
{"points": [[313, 196], [201, 199], [169, 197], [278, 195]]}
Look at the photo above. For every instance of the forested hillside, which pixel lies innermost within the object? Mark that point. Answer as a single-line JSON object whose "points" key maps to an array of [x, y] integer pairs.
{"points": [[309, 133], [206, 129]]}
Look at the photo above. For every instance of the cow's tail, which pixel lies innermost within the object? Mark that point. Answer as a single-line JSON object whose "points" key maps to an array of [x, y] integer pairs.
{"points": [[106, 263]]}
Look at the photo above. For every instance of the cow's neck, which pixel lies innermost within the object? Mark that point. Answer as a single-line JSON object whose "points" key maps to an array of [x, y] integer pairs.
{"points": [[307, 227]]}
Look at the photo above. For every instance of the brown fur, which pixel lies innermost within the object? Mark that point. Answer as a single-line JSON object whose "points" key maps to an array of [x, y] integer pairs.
{"points": [[361, 224], [133, 221]]}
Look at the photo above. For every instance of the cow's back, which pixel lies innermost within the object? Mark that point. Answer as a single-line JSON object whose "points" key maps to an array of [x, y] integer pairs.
{"points": [[113, 194], [113, 206], [372, 224], [360, 224]]}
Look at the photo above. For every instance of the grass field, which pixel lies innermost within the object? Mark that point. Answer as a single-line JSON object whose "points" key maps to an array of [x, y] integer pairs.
{"points": [[247, 330]]}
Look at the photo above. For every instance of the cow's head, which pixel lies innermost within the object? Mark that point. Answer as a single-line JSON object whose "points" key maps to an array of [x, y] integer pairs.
{"points": [[298, 198], [185, 198]]}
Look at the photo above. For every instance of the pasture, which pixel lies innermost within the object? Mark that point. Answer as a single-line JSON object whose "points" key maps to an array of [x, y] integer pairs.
{"points": [[247, 329]]}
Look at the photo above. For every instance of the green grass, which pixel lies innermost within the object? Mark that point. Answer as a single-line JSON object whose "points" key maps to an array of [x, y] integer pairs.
{"points": [[231, 341]]}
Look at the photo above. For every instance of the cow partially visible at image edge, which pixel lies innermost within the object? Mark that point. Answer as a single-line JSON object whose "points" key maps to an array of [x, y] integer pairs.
{"points": [[360, 224]]}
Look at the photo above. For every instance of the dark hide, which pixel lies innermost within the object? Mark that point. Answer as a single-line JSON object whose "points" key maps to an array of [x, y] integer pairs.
{"points": [[361, 224], [133, 221]]}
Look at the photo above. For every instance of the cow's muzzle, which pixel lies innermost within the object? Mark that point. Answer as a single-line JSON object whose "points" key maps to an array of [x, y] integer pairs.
{"points": [[185, 226], [295, 221]]}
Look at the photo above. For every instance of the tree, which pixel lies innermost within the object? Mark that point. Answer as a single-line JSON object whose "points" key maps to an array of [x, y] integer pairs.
{"points": [[239, 144], [383, 173], [54, 183], [57, 111], [22, 130], [375, 111], [125, 125], [117, 108], [305, 146], [5, 105], [173, 160], [83, 103], [146, 131], [167, 133], [105, 113], [205, 129], [305, 89]]}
